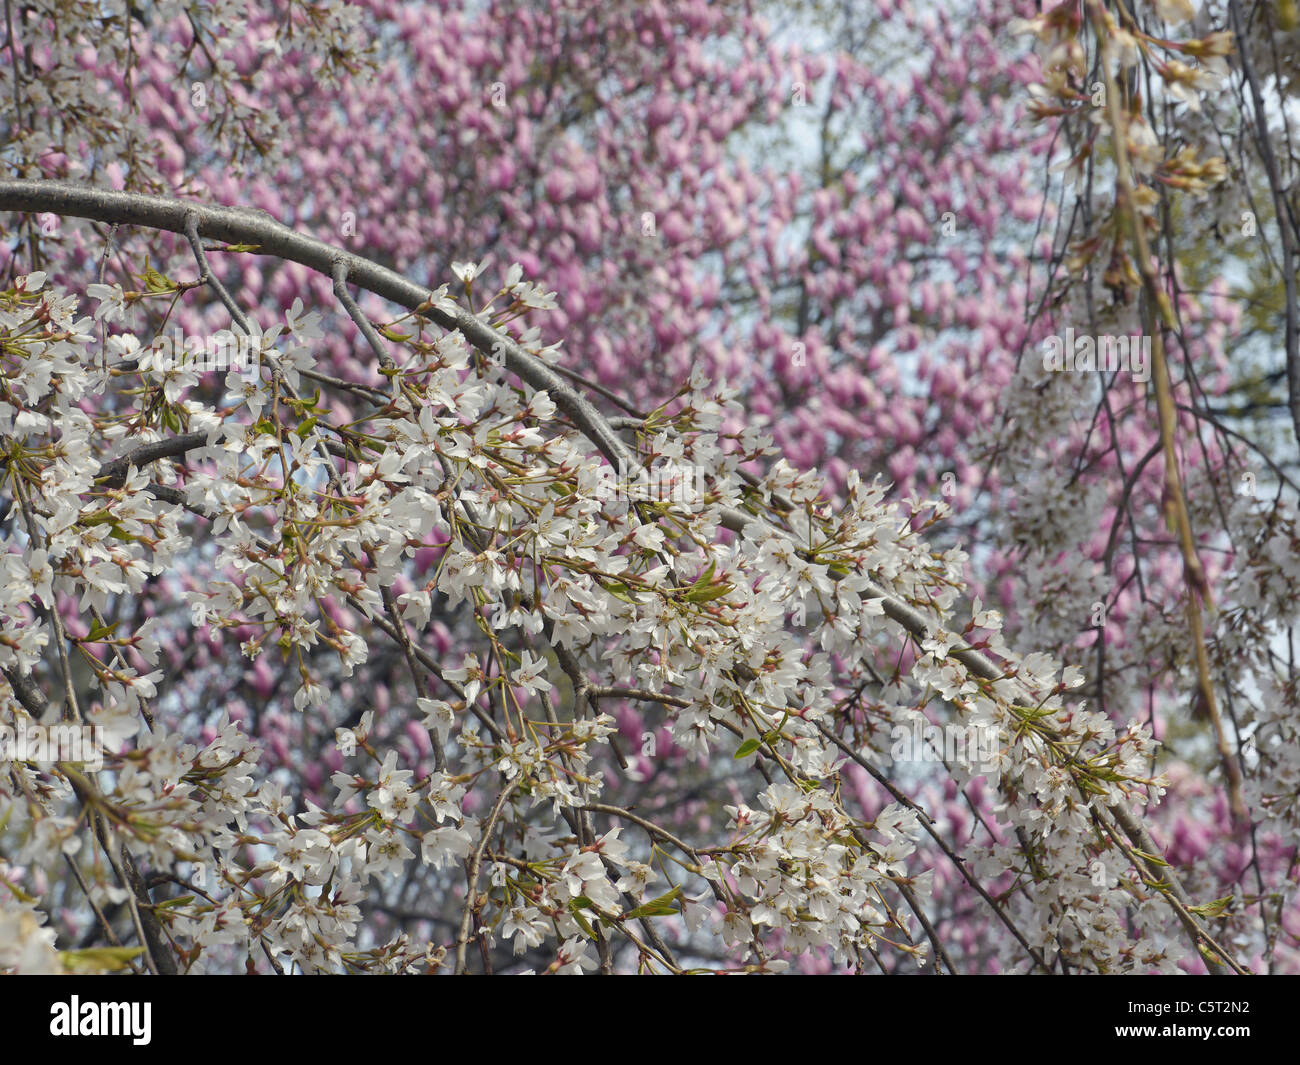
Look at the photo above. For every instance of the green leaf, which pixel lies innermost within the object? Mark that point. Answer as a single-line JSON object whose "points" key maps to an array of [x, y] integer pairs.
{"points": [[583, 923], [704, 590], [707, 595], [156, 282], [238, 248], [99, 959], [393, 334], [1153, 859], [1214, 908], [99, 632], [618, 590], [704, 578], [747, 748], [660, 907]]}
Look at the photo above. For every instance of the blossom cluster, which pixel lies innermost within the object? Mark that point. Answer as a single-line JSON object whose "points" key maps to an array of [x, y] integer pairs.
{"points": [[314, 523]]}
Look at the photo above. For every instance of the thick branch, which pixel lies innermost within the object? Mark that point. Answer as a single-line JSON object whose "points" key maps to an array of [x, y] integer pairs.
{"points": [[235, 225]]}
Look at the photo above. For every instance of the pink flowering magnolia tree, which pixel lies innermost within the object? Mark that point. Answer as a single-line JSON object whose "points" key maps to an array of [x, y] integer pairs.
{"points": [[420, 633]]}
